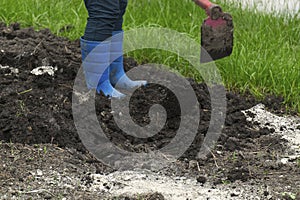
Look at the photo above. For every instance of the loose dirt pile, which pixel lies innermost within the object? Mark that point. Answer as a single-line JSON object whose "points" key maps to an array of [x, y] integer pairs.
{"points": [[42, 155]]}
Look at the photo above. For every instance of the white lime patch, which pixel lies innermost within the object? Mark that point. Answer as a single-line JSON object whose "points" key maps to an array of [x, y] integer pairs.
{"points": [[12, 70], [288, 127], [135, 183], [131, 183], [44, 70]]}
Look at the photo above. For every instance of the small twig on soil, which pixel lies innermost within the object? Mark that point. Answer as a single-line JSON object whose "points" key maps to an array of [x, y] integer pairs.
{"points": [[165, 156], [58, 148], [37, 191], [254, 152], [65, 100], [198, 167], [274, 173], [241, 154], [25, 91], [215, 158], [65, 85], [35, 48]]}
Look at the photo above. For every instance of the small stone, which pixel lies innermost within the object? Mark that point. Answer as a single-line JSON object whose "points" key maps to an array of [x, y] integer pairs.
{"points": [[193, 163], [48, 196], [235, 194], [39, 172], [284, 160], [201, 179]]}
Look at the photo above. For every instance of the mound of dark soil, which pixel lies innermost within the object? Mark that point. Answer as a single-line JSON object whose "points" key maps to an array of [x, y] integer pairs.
{"points": [[38, 109]]}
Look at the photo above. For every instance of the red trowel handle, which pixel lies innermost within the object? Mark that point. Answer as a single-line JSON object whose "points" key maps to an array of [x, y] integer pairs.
{"points": [[212, 10], [205, 4]]}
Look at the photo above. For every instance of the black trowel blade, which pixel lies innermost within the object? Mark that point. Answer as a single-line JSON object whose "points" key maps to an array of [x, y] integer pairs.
{"points": [[216, 38]]}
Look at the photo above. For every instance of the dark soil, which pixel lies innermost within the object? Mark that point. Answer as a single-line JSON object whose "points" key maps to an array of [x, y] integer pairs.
{"points": [[38, 110]]}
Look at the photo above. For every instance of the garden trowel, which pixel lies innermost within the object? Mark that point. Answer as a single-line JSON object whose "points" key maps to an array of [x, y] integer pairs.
{"points": [[216, 32]]}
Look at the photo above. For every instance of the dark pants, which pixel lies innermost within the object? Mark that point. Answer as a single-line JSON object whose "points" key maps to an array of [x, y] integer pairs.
{"points": [[105, 16]]}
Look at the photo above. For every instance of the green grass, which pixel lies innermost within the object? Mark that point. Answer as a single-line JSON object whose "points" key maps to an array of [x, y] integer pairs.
{"points": [[266, 57], [53, 14]]}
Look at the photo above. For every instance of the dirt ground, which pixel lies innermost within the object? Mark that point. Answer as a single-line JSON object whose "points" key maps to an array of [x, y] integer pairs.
{"points": [[42, 156]]}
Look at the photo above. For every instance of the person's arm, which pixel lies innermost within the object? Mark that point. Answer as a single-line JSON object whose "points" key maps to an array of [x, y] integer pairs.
{"points": [[212, 10], [205, 4]]}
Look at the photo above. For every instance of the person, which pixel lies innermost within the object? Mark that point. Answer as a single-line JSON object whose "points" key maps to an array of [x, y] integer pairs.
{"points": [[102, 48]]}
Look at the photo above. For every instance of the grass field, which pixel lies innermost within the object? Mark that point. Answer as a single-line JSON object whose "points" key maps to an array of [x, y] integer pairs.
{"points": [[266, 57]]}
